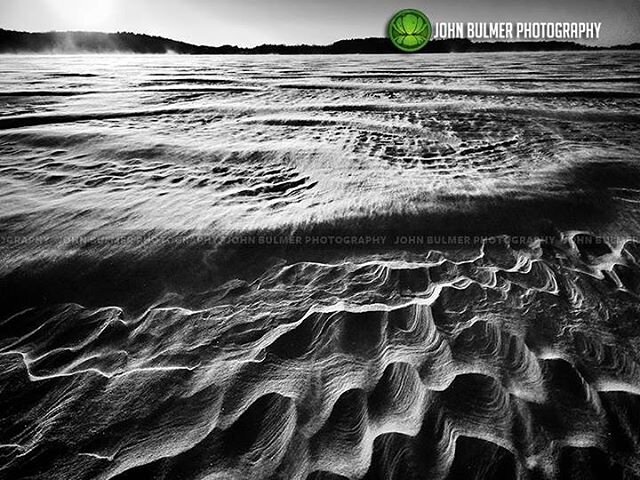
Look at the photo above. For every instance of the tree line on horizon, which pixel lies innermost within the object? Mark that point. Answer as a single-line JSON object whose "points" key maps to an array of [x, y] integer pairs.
{"points": [[127, 42]]}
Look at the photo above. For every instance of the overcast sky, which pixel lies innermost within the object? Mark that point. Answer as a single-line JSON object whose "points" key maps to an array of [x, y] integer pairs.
{"points": [[253, 22]]}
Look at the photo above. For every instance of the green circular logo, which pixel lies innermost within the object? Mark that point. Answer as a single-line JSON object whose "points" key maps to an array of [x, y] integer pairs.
{"points": [[409, 30]]}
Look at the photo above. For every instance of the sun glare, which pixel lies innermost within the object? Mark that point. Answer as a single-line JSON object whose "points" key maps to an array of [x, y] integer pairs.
{"points": [[83, 14]]}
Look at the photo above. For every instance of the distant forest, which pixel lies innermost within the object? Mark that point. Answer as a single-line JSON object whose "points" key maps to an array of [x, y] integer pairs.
{"points": [[125, 42]]}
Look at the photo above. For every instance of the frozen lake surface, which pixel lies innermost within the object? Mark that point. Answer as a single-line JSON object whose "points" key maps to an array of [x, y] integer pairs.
{"points": [[256, 267]]}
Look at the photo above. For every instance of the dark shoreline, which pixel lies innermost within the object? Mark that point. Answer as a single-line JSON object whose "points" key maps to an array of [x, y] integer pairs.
{"points": [[13, 42]]}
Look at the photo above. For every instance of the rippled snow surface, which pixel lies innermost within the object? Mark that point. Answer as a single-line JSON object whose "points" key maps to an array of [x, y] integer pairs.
{"points": [[155, 324]]}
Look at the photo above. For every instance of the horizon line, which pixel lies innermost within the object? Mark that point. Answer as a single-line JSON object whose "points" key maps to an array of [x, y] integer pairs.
{"points": [[319, 45]]}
